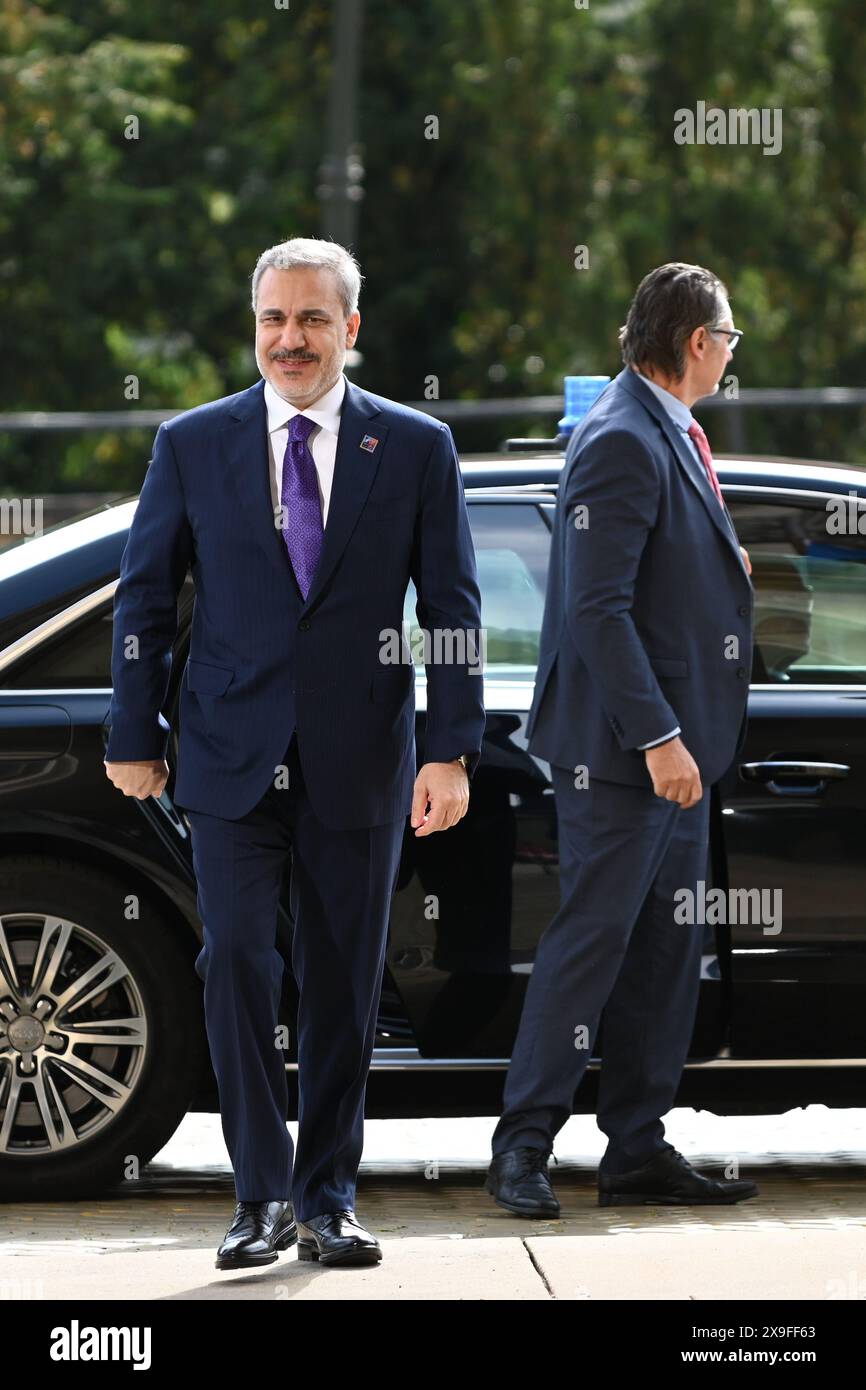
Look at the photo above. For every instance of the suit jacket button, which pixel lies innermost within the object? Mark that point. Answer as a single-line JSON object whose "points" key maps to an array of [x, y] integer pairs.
{"points": [[741, 672], [304, 624], [743, 611]]}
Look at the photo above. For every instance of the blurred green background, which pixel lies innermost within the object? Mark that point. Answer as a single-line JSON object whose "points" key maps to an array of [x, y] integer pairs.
{"points": [[122, 257]]}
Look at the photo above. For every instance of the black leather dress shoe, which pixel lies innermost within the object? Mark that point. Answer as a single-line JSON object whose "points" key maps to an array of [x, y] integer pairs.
{"points": [[257, 1232], [670, 1180], [518, 1179], [337, 1238]]}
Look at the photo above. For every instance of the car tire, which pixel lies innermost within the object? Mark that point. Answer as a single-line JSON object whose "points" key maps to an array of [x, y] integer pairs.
{"points": [[126, 1095]]}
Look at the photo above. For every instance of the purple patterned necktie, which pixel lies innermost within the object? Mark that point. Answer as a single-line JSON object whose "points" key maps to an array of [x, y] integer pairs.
{"points": [[302, 510]]}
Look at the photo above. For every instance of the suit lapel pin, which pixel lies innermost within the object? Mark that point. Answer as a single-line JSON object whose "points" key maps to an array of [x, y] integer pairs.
{"points": [[369, 443]]}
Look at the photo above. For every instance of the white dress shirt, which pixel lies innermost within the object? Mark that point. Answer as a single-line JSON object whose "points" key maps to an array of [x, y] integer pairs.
{"points": [[323, 440]]}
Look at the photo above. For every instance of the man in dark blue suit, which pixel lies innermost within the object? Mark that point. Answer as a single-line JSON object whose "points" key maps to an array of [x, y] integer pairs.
{"points": [[639, 706], [304, 506]]}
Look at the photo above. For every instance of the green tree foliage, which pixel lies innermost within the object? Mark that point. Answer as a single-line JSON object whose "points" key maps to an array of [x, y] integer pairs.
{"points": [[554, 130]]}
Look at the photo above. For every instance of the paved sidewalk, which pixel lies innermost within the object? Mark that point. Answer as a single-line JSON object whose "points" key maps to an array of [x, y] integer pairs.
{"points": [[772, 1264], [803, 1238]]}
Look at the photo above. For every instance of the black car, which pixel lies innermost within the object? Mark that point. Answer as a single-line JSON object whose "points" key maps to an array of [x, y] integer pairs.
{"points": [[102, 1041]]}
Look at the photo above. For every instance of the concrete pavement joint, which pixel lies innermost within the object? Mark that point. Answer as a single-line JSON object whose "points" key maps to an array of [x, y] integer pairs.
{"points": [[537, 1267]]}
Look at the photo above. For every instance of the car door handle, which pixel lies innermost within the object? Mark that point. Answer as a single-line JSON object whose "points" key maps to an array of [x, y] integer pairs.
{"points": [[813, 776]]}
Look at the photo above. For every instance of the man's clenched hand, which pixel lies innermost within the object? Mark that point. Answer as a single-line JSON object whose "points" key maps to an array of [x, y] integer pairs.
{"points": [[142, 779], [446, 787], [674, 772]]}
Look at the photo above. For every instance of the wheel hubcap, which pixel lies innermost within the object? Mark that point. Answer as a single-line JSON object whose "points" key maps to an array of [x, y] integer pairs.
{"points": [[73, 1034]]}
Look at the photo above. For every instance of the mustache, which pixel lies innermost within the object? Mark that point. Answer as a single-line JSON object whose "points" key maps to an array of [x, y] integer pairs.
{"points": [[294, 357]]}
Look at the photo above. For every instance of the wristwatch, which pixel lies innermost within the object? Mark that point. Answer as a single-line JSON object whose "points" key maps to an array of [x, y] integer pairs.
{"points": [[464, 759]]}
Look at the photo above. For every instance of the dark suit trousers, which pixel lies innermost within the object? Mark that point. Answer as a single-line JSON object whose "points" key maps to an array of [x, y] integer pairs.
{"points": [[341, 886], [613, 948]]}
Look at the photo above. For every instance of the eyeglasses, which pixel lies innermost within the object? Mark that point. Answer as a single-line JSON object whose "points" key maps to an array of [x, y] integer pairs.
{"points": [[733, 334]]}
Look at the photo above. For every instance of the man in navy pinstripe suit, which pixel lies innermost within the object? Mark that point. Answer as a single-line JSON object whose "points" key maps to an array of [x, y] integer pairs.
{"points": [[639, 707], [303, 506]]}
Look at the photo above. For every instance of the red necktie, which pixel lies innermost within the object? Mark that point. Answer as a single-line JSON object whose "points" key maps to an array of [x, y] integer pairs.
{"points": [[697, 434]]}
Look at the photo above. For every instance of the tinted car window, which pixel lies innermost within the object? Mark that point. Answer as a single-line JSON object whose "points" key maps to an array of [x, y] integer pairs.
{"points": [[809, 573], [76, 659], [512, 551]]}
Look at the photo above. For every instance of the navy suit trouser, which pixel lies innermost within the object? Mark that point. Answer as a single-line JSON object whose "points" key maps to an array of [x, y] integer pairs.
{"points": [[340, 894], [613, 952]]}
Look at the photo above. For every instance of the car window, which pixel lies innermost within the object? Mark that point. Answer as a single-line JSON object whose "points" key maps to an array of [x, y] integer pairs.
{"points": [[809, 573], [78, 658], [512, 551]]}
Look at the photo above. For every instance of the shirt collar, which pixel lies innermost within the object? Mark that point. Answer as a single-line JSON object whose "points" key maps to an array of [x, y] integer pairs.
{"points": [[325, 411], [677, 409]]}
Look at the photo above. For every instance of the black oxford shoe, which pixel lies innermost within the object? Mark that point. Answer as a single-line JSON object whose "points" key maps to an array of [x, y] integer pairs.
{"points": [[670, 1180], [517, 1179], [337, 1238], [257, 1232]]}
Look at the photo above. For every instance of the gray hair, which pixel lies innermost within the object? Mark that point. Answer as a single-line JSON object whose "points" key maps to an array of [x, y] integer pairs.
{"points": [[311, 253]]}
